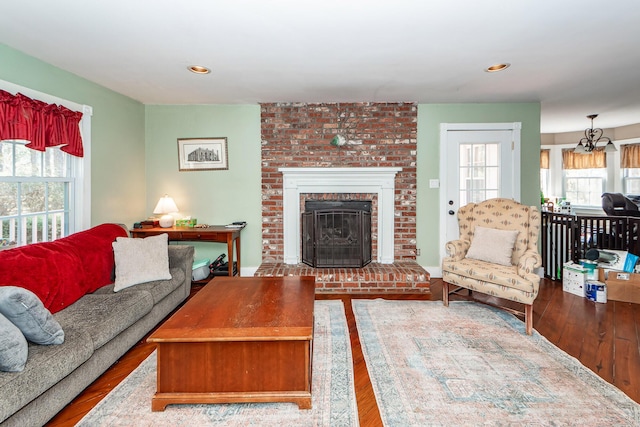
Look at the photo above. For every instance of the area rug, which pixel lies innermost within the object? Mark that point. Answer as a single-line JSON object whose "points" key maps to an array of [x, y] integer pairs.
{"points": [[333, 395], [470, 364]]}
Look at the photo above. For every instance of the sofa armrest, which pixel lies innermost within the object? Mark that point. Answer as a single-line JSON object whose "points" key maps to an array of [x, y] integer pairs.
{"points": [[529, 261], [181, 256], [457, 249]]}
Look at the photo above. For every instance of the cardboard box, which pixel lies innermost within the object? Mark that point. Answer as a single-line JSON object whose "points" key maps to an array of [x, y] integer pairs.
{"points": [[621, 286], [574, 277]]}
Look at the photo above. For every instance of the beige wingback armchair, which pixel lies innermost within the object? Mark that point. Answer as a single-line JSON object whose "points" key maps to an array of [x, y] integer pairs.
{"points": [[496, 224]]}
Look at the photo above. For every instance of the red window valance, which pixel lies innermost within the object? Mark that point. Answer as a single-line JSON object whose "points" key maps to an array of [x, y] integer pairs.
{"points": [[43, 125]]}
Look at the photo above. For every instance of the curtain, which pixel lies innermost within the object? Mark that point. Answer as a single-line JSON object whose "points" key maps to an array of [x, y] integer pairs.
{"points": [[596, 159], [43, 125], [630, 156], [544, 159]]}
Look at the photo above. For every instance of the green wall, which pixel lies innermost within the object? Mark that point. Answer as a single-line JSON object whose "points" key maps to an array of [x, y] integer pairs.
{"points": [[213, 197], [117, 132], [430, 116]]}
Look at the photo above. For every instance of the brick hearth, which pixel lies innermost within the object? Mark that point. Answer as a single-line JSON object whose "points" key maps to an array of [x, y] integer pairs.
{"points": [[399, 277]]}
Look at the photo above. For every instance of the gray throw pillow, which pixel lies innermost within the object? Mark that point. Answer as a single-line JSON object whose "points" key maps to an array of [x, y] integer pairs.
{"points": [[25, 310], [13, 347]]}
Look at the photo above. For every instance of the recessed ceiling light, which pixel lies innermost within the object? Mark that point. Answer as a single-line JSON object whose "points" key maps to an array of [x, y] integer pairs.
{"points": [[497, 67], [199, 69]]}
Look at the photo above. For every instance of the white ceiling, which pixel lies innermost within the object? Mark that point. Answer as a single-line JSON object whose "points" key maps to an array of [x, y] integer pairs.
{"points": [[576, 57]]}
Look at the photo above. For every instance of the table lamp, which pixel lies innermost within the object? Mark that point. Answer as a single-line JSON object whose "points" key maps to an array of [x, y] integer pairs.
{"points": [[166, 206]]}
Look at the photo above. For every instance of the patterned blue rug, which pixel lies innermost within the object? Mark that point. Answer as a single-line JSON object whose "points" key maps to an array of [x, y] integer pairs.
{"points": [[470, 364], [333, 395]]}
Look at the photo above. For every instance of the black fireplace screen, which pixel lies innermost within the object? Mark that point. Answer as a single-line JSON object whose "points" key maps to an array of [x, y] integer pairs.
{"points": [[336, 233]]}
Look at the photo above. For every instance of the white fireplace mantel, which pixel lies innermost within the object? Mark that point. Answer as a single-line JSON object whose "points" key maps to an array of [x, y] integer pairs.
{"points": [[380, 181]]}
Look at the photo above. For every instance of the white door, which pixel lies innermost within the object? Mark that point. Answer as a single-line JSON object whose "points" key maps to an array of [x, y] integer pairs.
{"points": [[478, 162]]}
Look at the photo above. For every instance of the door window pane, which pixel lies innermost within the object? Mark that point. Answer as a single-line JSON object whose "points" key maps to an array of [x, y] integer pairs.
{"points": [[479, 172]]}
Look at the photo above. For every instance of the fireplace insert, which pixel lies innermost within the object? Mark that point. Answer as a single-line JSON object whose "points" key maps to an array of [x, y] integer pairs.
{"points": [[336, 233]]}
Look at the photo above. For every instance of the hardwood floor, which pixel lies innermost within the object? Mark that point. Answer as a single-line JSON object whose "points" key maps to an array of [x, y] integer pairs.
{"points": [[604, 337]]}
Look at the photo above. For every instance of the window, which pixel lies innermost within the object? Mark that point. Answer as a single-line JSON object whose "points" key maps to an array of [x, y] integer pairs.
{"points": [[35, 193], [585, 177], [584, 187], [544, 172], [631, 181], [630, 164], [44, 195]]}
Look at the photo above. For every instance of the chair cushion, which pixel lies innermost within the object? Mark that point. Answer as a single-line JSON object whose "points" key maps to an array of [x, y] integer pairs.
{"points": [[480, 270], [47, 365], [158, 288], [105, 316]]}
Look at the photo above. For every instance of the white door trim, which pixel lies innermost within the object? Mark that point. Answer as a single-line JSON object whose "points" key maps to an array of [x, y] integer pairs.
{"points": [[515, 128]]}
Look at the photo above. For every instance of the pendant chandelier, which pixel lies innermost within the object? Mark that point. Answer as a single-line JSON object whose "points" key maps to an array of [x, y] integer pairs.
{"points": [[591, 138]]}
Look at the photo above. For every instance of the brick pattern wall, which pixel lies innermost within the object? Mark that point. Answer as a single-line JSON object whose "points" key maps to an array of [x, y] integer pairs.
{"points": [[378, 135]]}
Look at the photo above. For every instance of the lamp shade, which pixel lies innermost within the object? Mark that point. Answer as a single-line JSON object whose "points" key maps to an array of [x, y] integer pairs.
{"points": [[166, 206]]}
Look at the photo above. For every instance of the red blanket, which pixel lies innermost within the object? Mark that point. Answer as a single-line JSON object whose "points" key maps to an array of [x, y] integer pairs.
{"points": [[62, 271]]}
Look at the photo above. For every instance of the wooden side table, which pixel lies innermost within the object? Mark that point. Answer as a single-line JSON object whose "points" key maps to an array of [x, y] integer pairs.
{"points": [[212, 233]]}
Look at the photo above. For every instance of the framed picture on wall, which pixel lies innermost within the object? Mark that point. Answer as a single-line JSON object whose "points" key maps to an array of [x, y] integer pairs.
{"points": [[202, 154]]}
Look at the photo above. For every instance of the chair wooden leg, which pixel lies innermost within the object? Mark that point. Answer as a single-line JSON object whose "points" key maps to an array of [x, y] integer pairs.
{"points": [[445, 294], [528, 318]]}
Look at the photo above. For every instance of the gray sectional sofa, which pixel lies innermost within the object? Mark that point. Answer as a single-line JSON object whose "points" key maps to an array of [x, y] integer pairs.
{"points": [[99, 328]]}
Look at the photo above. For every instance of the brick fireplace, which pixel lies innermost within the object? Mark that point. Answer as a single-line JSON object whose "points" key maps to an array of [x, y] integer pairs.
{"points": [[378, 161]]}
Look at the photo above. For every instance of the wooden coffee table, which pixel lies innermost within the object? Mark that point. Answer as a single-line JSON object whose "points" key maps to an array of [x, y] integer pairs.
{"points": [[239, 339]]}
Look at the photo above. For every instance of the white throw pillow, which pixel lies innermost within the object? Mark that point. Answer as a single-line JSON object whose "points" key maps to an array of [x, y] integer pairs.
{"points": [[140, 260], [493, 245]]}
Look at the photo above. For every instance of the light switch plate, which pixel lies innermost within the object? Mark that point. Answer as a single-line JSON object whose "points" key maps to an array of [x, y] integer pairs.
{"points": [[434, 183]]}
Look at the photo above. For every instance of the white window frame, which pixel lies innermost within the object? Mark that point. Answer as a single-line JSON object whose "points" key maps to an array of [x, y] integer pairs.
{"points": [[80, 197]]}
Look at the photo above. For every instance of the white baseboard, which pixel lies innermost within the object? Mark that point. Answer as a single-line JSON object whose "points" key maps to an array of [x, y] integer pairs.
{"points": [[248, 271], [435, 272]]}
